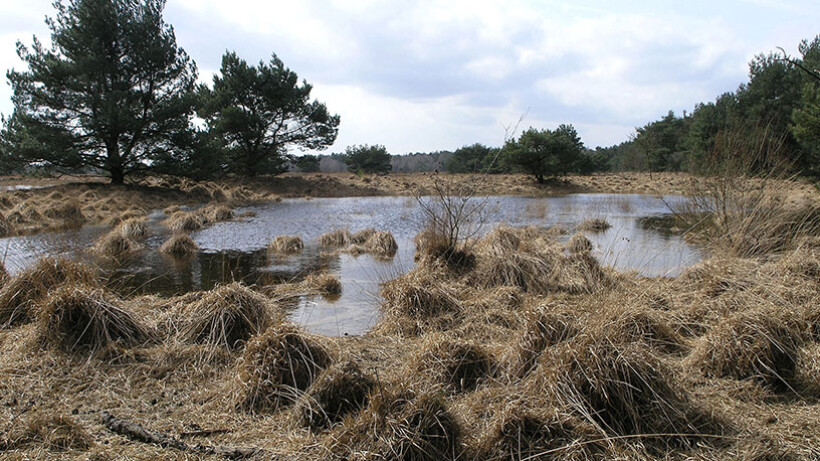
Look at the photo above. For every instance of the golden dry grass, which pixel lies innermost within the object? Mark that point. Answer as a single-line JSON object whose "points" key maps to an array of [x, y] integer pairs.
{"points": [[22, 295], [179, 245], [227, 316], [286, 244], [87, 319], [581, 363], [277, 367], [336, 238]]}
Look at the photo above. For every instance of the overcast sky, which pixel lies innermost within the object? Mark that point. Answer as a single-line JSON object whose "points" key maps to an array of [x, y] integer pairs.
{"points": [[418, 75]]}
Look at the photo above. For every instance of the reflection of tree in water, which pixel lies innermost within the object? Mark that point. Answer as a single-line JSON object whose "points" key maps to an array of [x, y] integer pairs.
{"points": [[160, 274]]}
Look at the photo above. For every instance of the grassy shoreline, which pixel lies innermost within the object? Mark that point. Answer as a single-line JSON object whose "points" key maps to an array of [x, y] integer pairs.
{"points": [[526, 350]]}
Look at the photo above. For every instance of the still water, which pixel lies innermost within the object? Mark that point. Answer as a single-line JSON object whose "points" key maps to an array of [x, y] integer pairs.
{"points": [[236, 250]]}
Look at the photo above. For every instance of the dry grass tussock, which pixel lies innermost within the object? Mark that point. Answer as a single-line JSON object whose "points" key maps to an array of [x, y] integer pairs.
{"points": [[416, 302], [760, 344], [335, 238], [623, 389], [458, 365], [227, 316], [4, 275], [524, 430], [277, 367], [379, 244], [529, 259], [184, 221], [323, 284], [179, 245], [51, 431], [594, 225], [82, 319], [6, 228], [340, 390], [134, 228], [116, 245], [286, 244], [401, 424], [22, 295]]}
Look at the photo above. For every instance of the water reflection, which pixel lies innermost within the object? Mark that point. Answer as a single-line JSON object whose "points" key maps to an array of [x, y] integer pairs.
{"points": [[237, 250]]}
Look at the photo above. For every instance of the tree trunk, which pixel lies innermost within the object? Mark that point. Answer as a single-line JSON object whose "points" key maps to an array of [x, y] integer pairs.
{"points": [[114, 160], [117, 176]]}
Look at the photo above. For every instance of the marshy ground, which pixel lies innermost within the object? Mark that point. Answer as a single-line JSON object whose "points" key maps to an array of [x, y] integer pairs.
{"points": [[510, 347]]}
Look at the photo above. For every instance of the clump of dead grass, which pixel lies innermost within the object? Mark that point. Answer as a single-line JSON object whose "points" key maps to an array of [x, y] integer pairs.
{"points": [[51, 431], [227, 316], [219, 213], [545, 327], [624, 390], [179, 245], [286, 244], [134, 213], [324, 284], [21, 295], [579, 244], [339, 391], [639, 324], [278, 366], [184, 221], [69, 211], [335, 238], [115, 245], [807, 370], [381, 244], [358, 238], [6, 228], [4, 275], [77, 318], [760, 344], [419, 298], [459, 365], [594, 225], [525, 431], [402, 424], [133, 228]]}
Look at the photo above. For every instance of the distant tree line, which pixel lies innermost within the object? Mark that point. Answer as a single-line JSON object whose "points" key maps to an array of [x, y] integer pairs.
{"points": [[115, 94]]}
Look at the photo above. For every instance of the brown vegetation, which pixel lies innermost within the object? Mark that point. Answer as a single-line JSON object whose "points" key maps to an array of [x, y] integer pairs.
{"points": [[277, 367], [179, 245], [286, 244], [594, 225], [548, 357], [336, 238], [227, 316], [78, 318], [21, 296]]}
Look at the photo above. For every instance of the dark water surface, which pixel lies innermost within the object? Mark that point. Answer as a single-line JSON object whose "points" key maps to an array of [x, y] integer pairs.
{"points": [[237, 250]]}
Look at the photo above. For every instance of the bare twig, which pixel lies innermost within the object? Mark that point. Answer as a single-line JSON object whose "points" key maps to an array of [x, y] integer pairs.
{"points": [[136, 432]]}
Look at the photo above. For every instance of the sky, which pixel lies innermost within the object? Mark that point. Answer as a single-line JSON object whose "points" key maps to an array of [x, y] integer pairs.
{"points": [[427, 75]]}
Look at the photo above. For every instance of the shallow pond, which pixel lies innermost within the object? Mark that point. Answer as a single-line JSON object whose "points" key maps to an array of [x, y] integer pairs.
{"points": [[236, 250]]}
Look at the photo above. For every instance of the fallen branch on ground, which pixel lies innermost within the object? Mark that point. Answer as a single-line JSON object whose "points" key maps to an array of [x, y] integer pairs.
{"points": [[136, 432]]}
